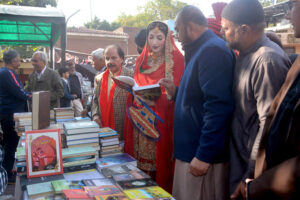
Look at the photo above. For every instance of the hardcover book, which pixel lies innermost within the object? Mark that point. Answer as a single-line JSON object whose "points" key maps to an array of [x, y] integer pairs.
{"points": [[81, 127], [110, 171], [150, 92], [76, 194], [40, 110], [132, 184], [131, 175], [115, 160], [39, 189], [147, 193], [98, 182], [112, 197], [60, 185], [43, 153], [102, 190]]}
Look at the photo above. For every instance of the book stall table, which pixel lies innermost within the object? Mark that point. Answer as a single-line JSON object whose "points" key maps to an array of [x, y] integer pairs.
{"points": [[84, 175]]}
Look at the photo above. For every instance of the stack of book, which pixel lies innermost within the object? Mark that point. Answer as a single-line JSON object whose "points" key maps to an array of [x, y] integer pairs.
{"points": [[52, 117], [23, 121], [79, 158], [64, 114], [82, 134], [20, 161], [109, 142]]}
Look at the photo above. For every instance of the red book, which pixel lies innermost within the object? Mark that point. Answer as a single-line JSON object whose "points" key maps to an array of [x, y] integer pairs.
{"points": [[76, 194]]}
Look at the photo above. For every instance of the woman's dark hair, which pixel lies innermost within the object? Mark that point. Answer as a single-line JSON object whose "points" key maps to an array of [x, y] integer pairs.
{"points": [[119, 50], [9, 55], [161, 26]]}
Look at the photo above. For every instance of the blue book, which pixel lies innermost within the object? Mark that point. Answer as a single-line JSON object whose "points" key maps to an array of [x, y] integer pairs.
{"points": [[110, 161]]}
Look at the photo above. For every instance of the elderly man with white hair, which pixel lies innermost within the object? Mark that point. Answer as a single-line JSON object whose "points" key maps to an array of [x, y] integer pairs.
{"points": [[98, 60], [45, 79]]}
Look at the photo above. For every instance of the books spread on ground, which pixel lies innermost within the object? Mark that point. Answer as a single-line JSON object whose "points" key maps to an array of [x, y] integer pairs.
{"points": [[40, 109], [150, 92]]}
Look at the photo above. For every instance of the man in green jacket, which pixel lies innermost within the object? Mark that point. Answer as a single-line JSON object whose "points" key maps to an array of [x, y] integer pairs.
{"points": [[45, 79]]}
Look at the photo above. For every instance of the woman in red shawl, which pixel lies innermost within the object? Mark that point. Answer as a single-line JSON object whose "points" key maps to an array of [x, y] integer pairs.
{"points": [[159, 59]]}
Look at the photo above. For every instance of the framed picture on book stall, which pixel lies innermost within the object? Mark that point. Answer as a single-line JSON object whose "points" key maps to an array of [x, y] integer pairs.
{"points": [[43, 153]]}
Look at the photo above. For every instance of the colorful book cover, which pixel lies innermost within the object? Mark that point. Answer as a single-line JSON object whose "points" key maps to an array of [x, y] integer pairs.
{"points": [[78, 125], [112, 197], [38, 189], [114, 160], [102, 190], [76, 194], [98, 182], [43, 153], [110, 171], [132, 175], [60, 185], [148, 192], [132, 184]]}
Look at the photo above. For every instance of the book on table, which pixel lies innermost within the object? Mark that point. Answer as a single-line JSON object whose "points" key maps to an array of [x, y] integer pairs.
{"points": [[40, 110], [115, 160], [81, 127], [133, 184], [98, 182], [76, 194], [147, 193], [108, 172], [149, 92]]}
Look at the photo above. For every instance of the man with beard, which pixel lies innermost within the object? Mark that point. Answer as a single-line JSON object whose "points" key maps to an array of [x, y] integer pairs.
{"points": [[277, 169], [203, 107], [260, 70], [108, 108]]}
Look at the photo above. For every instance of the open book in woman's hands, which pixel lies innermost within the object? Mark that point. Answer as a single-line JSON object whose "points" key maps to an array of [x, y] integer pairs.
{"points": [[150, 92]]}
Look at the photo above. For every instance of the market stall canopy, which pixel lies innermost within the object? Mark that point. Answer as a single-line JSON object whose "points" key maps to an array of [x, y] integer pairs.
{"points": [[30, 25]]}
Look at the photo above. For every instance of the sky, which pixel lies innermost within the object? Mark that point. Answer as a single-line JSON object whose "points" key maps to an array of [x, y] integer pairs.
{"points": [[110, 9]]}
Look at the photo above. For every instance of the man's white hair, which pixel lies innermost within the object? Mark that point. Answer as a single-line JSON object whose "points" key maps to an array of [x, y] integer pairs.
{"points": [[43, 56], [98, 53]]}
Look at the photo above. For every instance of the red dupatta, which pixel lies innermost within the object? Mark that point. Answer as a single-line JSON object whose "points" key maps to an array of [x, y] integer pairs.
{"points": [[106, 106], [172, 68]]}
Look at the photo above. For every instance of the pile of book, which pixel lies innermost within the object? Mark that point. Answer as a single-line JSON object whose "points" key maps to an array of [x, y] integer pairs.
{"points": [[74, 159], [64, 114], [85, 133], [124, 182], [23, 121], [109, 142], [79, 158], [20, 161]]}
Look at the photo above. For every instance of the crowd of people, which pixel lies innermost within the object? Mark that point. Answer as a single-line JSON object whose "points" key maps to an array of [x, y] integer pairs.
{"points": [[226, 125]]}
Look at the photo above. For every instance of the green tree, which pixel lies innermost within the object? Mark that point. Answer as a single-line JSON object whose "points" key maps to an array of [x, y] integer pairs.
{"points": [[96, 23], [35, 3], [153, 10]]}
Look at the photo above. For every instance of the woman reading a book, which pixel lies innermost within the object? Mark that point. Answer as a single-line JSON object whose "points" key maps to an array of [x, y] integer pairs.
{"points": [[109, 104], [149, 129]]}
